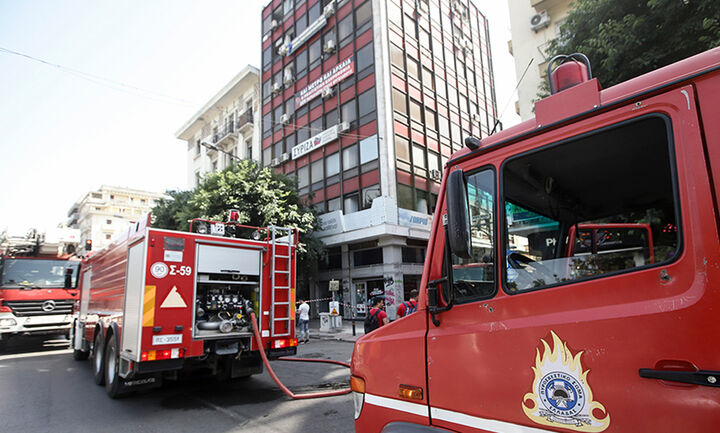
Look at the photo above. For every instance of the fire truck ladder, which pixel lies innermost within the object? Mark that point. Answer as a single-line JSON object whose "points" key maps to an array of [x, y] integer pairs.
{"points": [[285, 237]]}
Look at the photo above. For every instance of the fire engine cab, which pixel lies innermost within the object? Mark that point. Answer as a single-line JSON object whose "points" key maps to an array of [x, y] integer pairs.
{"points": [[38, 274], [572, 271], [159, 302]]}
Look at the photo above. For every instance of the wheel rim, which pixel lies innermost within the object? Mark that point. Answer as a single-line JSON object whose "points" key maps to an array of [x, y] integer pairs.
{"points": [[98, 355], [111, 364]]}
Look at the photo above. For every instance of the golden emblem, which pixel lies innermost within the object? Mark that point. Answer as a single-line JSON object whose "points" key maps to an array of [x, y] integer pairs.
{"points": [[560, 392]]}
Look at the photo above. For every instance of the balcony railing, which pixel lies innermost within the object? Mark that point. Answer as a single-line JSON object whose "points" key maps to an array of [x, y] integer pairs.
{"points": [[221, 134], [245, 119]]}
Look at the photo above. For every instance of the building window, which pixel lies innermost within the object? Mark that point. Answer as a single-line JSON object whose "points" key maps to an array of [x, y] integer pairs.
{"points": [[364, 57], [369, 194], [397, 57], [368, 149], [314, 12], [332, 164], [315, 53], [316, 171], [405, 197], [347, 112], [301, 24], [412, 68], [366, 103], [418, 156], [197, 147], [415, 111], [345, 29], [372, 256], [301, 61], [288, 6], [334, 204], [108, 221], [108, 236], [303, 176], [197, 178], [351, 203], [112, 197], [363, 14], [96, 195], [429, 118], [399, 101], [402, 148], [350, 159]]}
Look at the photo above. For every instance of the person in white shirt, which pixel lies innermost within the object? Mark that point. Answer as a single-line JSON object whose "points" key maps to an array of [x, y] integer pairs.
{"points": [[303, 312]]}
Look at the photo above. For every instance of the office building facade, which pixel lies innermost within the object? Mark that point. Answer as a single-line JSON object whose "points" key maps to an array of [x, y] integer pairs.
{"points": [[364, 101]]}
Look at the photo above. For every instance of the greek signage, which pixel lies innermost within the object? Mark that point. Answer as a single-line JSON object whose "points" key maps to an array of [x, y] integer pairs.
{"points": [[341, 71], [315, 142], [305, 35]]}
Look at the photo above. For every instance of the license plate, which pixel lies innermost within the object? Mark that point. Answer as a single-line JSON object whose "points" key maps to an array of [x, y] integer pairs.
{"points": [[167, 339]]}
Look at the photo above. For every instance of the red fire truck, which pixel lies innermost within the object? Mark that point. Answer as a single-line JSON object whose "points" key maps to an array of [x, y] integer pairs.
{"points": [[38, 274], [158, 302], [622, 342]]}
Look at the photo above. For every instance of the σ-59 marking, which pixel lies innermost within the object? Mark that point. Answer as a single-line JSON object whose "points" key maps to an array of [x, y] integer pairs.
{"points": [[183, 271]]}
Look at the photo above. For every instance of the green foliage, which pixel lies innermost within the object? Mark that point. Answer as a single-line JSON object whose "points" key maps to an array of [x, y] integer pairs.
{"points": [[263, 198], [627, 38]]}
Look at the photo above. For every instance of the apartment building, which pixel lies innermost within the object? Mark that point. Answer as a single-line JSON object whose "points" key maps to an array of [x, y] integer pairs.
{"points": [[533, 24], [103, 214], [224, 129], [364, 101]]}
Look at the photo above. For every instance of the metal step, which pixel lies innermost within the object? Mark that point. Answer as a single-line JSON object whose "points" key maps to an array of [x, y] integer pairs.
{"points": [[281, 318]]}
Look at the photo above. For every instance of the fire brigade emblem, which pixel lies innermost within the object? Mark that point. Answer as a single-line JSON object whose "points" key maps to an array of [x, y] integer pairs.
{"points": [[561, 396]]}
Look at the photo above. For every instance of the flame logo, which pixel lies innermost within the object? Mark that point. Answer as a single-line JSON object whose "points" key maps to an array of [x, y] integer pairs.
{"points": [[561, 396]]}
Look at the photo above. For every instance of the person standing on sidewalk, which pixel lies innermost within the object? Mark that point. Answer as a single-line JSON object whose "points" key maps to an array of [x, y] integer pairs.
{"points": [[408, 307], [303, 312], [377, 316]]}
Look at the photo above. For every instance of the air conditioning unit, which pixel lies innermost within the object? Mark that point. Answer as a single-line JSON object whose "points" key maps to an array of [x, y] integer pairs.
{"points": [[285, 157], [329, 9], [327, 92], [276, 87], [329, 47], [435, 174], [344, 126], [275, 162], [288, 78], [539, 21], [283, 50], [274, 24], [284, 119]]}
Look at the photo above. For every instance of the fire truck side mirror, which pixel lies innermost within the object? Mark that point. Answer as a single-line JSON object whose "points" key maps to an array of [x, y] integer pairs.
{"points": [[458, 216], [68, 278]]}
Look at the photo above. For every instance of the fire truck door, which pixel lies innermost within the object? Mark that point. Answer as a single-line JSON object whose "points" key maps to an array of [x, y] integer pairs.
{"points": [[85, 293], [601, 341], [134, 292]]}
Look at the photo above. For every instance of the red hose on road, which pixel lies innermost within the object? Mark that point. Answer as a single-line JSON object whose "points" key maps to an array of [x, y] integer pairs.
{"points": [[277, 380]]}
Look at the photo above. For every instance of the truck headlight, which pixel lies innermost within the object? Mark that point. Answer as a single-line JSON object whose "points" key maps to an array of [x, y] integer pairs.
{"points": [[8, 322], [358, 387]]}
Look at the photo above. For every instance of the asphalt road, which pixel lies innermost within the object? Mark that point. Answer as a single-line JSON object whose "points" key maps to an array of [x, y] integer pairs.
{"points": [[42, 389]]}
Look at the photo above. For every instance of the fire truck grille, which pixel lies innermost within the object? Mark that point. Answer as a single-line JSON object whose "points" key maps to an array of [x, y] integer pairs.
{"points": [[40, 308]]}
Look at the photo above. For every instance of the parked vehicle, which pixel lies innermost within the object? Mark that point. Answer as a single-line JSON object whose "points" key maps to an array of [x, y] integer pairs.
{"points": [[38, 280], [601, 313], [158, 302]]}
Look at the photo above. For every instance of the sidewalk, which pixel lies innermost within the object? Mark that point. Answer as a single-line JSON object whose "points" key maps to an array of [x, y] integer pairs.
{"points": [[345, 334]]}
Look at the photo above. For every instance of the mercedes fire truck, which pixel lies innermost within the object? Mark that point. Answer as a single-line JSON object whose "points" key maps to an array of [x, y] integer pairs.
{"points": [[156, 303], [38, 275], [572, 280]]}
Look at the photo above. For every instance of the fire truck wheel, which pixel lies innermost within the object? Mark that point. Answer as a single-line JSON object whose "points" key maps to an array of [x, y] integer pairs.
{"points": [[113, 382], [98, 363]]}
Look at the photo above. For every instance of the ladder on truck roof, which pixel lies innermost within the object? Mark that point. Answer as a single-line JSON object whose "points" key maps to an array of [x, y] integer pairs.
{"points": [[281, 237]]}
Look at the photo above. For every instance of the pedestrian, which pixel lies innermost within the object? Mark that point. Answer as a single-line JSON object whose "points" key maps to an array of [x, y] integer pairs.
{"points": [[377, 316], [408, 307], [303, 312]]}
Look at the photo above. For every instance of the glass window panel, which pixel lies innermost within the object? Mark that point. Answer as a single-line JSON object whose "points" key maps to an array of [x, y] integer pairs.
{"points": [[405, 197], [419, 156], [345, 27], [365, 57], [366, 101], [619, 218], [334, 204], [368, 149], [363, 14], [415, 111], [350, 157], [399, 101], [316, 171], [402, 148], [348, 112], [332, 164], [351, 204], [369, 194], [397, 57], [303, 176], [430, 118]]}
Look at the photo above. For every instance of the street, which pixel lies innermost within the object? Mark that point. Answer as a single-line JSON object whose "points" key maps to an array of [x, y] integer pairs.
{"points": [[45, 390]]}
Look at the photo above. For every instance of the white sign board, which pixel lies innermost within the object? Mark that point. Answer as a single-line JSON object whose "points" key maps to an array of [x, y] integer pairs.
{"points": [[315, 142]]}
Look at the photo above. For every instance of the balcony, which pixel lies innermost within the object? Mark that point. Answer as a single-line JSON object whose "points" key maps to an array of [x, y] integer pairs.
{"points": [[224, 134], [245, 122], [547, 4]]}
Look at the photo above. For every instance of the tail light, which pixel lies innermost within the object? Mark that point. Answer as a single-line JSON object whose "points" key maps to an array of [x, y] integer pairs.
{"points": [[280, 344], [158, 355]]}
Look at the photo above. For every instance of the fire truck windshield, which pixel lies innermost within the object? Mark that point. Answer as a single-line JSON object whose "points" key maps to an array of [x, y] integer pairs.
{"points": [[36, 273]]}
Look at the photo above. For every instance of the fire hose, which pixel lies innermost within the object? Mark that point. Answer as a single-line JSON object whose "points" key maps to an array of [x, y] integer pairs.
{"points": [[285, 389]]}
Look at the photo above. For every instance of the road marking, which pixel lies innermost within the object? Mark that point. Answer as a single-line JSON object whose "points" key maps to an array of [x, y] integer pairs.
{"points": [[35, 354]]}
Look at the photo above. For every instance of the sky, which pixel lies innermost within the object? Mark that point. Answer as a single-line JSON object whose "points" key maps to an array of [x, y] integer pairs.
{"points": [[120, 79]]}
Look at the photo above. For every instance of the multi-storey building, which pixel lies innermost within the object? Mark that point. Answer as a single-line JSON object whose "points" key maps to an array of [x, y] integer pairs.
{"points": [[224, 129], [103, 214], [533, 23], [364, 101]]}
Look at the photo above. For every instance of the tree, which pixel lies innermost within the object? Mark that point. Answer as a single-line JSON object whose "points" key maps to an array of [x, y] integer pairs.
{"points": [[627, 38], [263, 198]]}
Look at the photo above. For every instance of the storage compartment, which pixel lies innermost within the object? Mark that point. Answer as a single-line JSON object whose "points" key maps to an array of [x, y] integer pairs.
{"points": [[226, 286]]}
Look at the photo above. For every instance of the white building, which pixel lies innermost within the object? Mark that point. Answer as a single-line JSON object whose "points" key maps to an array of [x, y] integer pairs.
{"points": [[104, 214], [224, 128], [533, 23]]}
